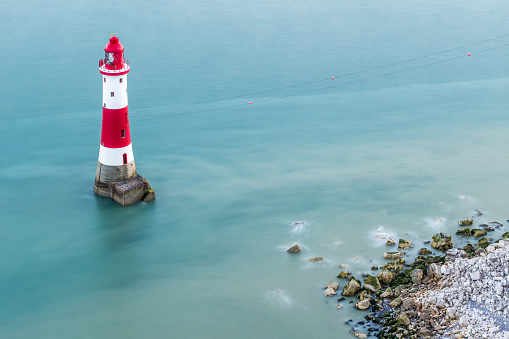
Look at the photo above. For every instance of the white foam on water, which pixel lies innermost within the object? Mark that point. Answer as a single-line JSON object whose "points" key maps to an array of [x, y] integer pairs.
{"points": [[299, 227], [314, 264], [279, 299], [380, 235], [435, 223]]}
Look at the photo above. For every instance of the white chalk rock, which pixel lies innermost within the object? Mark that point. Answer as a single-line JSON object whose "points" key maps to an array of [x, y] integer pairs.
{"points": [[475, 275]]}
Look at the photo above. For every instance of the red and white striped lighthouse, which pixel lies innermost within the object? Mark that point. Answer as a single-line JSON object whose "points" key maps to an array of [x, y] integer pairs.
{"points": [[116, 169]]}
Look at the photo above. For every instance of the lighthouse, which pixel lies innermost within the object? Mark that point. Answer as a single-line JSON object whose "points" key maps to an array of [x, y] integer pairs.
{"points": [[116, 176]]}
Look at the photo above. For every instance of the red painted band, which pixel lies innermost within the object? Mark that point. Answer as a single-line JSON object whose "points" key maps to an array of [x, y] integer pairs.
{"points": [[115, 128]]}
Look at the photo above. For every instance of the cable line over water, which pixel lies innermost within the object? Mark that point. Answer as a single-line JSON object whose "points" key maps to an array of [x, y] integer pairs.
{"points": [[323, 80]]}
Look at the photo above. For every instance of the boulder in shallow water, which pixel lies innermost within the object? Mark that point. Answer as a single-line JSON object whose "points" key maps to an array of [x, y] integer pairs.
{"points": [[334, 285], [424, 251], [364, 304], [441, 241], [403, 244], [393, 255], [476, 232], [294, 249], [372, 284], [466, 222], [390, 242], [351, 288], [344, 274], [465, 231], [329, 292], [316, 259], [395, 265]]}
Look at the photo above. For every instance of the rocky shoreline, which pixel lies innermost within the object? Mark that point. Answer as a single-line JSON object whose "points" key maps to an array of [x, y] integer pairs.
{"points": [[460, 293]]}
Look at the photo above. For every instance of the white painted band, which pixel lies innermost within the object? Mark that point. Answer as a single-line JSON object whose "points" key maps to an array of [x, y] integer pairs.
{"points": [[119, 90], [115, 156]]}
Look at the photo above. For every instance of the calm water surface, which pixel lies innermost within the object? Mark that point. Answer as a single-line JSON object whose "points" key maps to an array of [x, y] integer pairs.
{"points": [[412, 152]]}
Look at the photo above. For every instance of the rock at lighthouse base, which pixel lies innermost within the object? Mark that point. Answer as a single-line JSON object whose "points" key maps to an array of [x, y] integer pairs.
{"points": [[131, 191], [126, 192]]}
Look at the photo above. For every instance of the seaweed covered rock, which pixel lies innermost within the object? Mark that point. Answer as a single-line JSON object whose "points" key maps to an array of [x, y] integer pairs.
{"points": [[395, 265], [363, 294], [351, 288], [344, 274], [371, 283], [441, 241], [403, 244], [466, 222], [402, 320], [476, 232], [483, 243], [465, 231], [424, 251], [417, 275], [385, 277]]}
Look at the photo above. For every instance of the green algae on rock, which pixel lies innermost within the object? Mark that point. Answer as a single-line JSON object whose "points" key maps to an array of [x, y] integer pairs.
{"points": [[441, 241], [476, 232], [465, 231]]}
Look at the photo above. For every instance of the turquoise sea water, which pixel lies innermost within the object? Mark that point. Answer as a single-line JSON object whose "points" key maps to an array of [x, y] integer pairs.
{"points": [[412, 152]]}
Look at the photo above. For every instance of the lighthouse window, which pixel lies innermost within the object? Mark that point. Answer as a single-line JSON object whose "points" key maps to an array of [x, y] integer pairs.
{"points": [[124, 158], [122, 133], [104, 79], [104, 104], [121, 80], [112, 94], [109, 58]]}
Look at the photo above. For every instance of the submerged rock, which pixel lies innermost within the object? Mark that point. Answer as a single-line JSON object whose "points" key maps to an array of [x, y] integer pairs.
{"points": [[316, 259], [294, 249]]}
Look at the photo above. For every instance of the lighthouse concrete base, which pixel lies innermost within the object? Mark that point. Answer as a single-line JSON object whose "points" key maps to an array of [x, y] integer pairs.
{"points": [[126, 192]]}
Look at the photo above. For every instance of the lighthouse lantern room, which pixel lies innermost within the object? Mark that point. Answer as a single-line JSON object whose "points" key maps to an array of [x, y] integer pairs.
{"points": [[116, 175]]}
